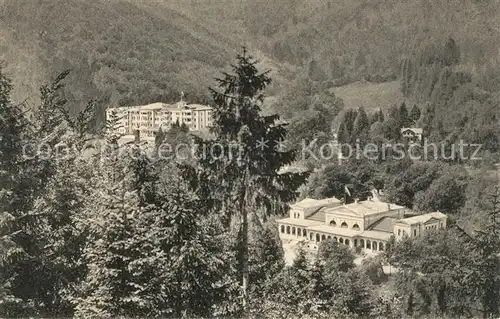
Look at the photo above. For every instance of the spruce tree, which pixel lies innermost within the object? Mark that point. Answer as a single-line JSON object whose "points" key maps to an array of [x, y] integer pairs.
{"points": [[241, 172], [12, 254], [361, 125], [485, 244], [343, 135], [415, 114], [403, 115]]}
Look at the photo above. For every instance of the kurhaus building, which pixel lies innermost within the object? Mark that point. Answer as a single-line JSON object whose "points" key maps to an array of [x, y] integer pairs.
{"points": [[148, 119], [365, 224]]}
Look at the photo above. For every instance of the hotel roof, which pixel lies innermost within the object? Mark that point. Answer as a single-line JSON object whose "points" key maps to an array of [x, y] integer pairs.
{"points": [[300, 222], [312, 203], [161, 105], [365, 208], [413, 129], [335, 230], [421, 218], [385, 224], [376, 234]]}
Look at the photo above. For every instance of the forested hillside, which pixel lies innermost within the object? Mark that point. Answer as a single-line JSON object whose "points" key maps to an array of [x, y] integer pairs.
{"points": [[121, 52]]}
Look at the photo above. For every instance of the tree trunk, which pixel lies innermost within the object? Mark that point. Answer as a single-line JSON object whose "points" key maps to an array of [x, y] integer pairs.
{"points": [[244, 241], [245, 260]]}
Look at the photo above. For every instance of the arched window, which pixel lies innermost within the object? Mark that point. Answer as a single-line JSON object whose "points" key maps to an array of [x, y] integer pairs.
{"points": [[282, 229], [293, 230], [374, 245], [343, 225], [333, 223], [304, 232], [355, 243], [298, 231], [323, 237], [355, 227], [317, 237], [311, 236], [362, 243], [368, 244], [347, 242], [329, 237], [381, 246], [335, 239], [288, 229], [341, 240]]}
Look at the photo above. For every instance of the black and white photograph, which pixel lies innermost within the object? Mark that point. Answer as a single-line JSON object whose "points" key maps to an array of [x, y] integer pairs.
{"points": [[275, 159]]}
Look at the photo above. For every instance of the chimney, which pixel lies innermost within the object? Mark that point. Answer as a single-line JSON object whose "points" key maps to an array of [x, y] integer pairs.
{"points": [[137, 136]]}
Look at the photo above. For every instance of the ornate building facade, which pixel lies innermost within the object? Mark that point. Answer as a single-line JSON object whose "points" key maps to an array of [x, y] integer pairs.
{"points": [[365, 225], [148, 119]]}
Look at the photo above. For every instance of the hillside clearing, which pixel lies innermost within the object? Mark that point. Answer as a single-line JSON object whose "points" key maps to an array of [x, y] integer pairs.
{"points": [[370, 95]]}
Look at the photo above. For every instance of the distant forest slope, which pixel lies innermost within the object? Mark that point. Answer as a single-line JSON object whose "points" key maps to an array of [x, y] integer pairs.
{"points": [[354, 39], [120, 52], [133, 52]]}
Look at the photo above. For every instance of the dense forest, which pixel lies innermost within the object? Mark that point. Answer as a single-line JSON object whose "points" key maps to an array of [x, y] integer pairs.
{"points": [[90, 227], [112, 230]]}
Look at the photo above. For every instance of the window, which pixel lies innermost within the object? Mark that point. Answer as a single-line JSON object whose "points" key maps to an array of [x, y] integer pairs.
{"points": [[343, 225], [368, 244], [399, 232], [415, 233], [346, 242], [288, 229], [355, 227], [333, 223], [298, 231], [304, 232], [323, 237], [317, 237], [381, 247], [293, 230]]}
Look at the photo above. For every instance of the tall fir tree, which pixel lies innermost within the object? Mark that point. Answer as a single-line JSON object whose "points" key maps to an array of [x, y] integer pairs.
{"points": [[415, 114], [361, 125], [485, 244], [242, 167], [403, 115]]}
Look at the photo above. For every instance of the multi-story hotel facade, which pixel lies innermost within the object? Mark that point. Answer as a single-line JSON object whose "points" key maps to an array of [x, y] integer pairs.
{"points": [[148, 119], [365, 225]]}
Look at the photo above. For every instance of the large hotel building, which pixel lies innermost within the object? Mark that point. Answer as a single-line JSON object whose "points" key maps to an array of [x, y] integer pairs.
{"points": [[364, 225], [148, 119]]}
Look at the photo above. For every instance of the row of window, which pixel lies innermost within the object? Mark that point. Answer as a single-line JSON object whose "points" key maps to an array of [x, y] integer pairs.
{"points": [[415, 231], [291, 230], [344, 225], [319, 238]]}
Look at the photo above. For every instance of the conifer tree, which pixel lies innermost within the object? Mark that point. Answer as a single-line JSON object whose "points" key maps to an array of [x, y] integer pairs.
{"points": [[415, 114], [242, 170], [343, 135], [12, 133], [361, 125], [403, 115], [486, 271]]}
